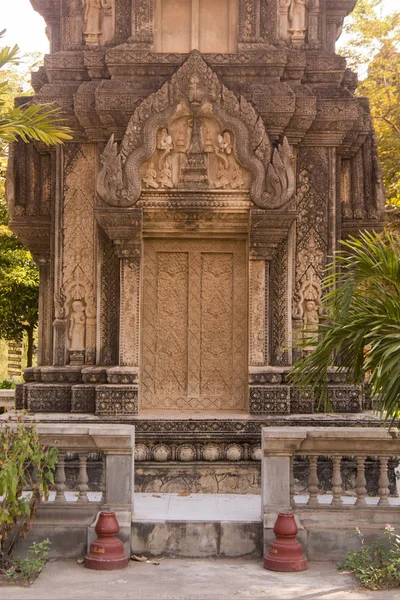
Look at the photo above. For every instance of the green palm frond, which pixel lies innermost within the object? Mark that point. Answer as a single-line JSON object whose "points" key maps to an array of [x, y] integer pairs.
{"points": [[361, 333], [8, 54], [33, 122]]}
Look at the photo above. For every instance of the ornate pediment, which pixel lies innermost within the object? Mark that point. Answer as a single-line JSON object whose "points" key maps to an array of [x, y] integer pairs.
{"points": [[195, 135]]}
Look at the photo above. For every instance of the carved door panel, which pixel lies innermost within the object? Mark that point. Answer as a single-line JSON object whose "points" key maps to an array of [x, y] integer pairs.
{"points": [[194, 325]]}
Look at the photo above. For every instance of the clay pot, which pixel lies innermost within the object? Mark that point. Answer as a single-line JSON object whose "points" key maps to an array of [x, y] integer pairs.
{"points": [[285, 552], [107, 551]]}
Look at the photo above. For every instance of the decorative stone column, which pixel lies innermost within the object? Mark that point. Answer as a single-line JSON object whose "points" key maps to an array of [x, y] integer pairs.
{"points": [[257, 341], [129, 304], [45, 312]]}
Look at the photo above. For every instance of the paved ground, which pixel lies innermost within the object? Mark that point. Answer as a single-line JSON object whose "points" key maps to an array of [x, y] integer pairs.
{"points": [[179, 579]]}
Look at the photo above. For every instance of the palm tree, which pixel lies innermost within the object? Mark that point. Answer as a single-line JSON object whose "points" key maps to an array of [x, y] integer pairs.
{"points": [[361, 332], [30, 121]]}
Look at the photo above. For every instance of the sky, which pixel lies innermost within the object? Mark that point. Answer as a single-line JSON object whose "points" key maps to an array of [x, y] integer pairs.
{"points": [[25, 27]]}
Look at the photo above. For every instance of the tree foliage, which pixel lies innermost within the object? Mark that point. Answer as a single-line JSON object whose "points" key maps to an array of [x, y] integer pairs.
{"points": [[30, 121], [362, 328], [24, 463], [373, 50]]}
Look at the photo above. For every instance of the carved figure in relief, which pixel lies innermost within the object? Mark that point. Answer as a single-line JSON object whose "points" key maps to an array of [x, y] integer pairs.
{"points": [[223, 150], [166, 145], [150, 178], [166, 175], [309, 309], [93, 19], [297, 20], [224, 146], [222, 177], [77, 327], [310, 320], [237, 179]]}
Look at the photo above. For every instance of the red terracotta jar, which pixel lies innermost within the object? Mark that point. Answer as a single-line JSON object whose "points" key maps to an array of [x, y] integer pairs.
{"points": [[285, 552], [107, 551]]}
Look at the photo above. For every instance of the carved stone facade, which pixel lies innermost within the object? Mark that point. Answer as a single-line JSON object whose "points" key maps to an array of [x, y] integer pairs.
{"points": [[183, 234]]}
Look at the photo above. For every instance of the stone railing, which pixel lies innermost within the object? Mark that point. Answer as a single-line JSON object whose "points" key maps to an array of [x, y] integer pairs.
{"points": [[94, 473], [350, 479], [7, 399]]}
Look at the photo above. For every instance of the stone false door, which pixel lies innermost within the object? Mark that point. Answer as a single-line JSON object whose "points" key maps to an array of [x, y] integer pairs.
{"points": [[194, 325]]}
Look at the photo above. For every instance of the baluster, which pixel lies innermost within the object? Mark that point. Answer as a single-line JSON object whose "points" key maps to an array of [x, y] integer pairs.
{"points": [[383, 482], [103, 478], [292, 490], [337, 481], [82, 482], [60, 479], [361, 482], [397, 478], [313, 482]]}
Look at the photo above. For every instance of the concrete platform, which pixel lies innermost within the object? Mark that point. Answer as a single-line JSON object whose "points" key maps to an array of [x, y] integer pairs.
{"points": [[222, 579], [197, 507], [197, 525]]}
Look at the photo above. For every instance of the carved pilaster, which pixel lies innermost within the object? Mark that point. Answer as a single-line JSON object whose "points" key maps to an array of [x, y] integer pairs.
{"points": [[45, 314], [143, 21], [316, 198], [129, 305], [249, 22], [109, 291], [283, 27], [77, 291], [345, 188], [332, 200], [313, 20], [257, 312], [123, 21], [357, 192], [59, 351], [334, 24], [279, 305]]}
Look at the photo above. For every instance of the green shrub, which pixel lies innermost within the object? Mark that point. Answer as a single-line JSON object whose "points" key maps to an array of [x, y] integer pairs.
{"points": [[377, 565], [7, 384], [25, 464], [25, 570]]}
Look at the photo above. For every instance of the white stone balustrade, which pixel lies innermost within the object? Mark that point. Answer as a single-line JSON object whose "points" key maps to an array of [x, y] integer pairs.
{"points": [[327, 518], [69, 516], [7, 399], [280, 446], [113, 448]]}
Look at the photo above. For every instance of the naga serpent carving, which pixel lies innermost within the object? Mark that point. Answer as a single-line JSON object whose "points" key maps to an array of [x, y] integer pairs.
{"points": [[195, 91]]}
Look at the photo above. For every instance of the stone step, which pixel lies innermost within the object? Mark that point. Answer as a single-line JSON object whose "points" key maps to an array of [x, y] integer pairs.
{"points": [[197, 526]]}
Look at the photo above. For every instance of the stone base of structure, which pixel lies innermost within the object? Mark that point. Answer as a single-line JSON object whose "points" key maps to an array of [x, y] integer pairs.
{"points": [[195, 453], [114, 391]]}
